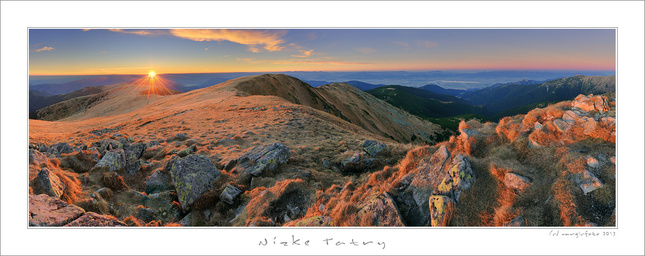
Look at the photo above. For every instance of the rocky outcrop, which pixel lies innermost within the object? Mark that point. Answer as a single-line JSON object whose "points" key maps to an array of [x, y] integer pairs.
{"points": [[92, 219], [516, 181], [374, 148], [48, 183], [264, 158], [287, 200], [48, 211], [193, 176], [441, 209], [379, 210], [113, 161], [587, 181], [229, 194]]}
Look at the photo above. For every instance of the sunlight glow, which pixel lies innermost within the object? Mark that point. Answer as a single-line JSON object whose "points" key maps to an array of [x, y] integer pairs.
{"points": [[151, 74]]}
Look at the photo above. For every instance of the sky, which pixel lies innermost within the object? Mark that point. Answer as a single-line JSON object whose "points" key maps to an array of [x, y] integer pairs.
{"points": [[137, 51]]}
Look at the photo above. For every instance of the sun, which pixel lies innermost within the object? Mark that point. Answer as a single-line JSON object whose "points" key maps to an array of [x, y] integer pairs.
{"points": [[152, 74]]}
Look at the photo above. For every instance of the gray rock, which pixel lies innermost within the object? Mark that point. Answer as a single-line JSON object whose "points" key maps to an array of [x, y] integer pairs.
{"points": [[46, 182], [462, 177], [162, 204], [92, 219], [326, 163], [264, 158], [353, 163], [159, 181], [593, 163], [561, 125], [146, 214], [63, 148], [229, 194], [380, 211], [516, 181], [376, 149], [134, 152], [587, 181], [114, 160], [133, 167], [37, 158], [368, 143], [152, 143], [193, 176], [441, 209], [187, 151], [48, 211], [180, 137]]}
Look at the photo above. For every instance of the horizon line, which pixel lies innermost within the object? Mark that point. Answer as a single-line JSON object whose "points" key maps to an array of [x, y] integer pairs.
{"points": [[355, 71]]}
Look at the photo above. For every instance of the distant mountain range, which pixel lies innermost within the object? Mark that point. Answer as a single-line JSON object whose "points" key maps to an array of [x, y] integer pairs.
{"points": [[440, 90], [503, 97]]}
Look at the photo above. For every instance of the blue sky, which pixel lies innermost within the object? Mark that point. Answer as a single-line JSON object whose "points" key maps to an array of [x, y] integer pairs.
{"points": [[137, 51]]}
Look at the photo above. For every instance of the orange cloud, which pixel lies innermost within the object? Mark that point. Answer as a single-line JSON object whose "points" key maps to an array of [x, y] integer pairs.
{"points": [[270, 41], [305, 54], [427, 44], [46, 48]]}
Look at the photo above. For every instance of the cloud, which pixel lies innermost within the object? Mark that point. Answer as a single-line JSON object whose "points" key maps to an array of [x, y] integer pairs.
{"points": [[366, 50], [46, 48], [254, 39], [427, 44], [140, 32], [205, 49], [402, 44], [304, 54]]}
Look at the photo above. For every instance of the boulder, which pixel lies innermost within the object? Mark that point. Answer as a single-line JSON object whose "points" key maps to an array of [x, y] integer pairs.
{"points": [[154, 152], [229, 194], [164, 205], [113, 181], [591, 103], [460, 177], [441, 209], [375, 149], [592, 162], [379, 210], [159, 181], [561, 125], [134, 152], [48, 211], [179, 137], [37, 158], [516, 181], [286, 200], [114, 160], [152, 143], [416, 188], [534, 144], [353, 163], [63, 148], [146, 214], [193, 176], [587, 181], [264, 158], [46, 182], [92, 219], [133, 167], [94, 203], [187, 151]]}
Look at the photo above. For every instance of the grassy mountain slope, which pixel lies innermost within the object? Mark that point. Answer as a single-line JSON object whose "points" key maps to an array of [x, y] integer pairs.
{"points": [[424, 103]]}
